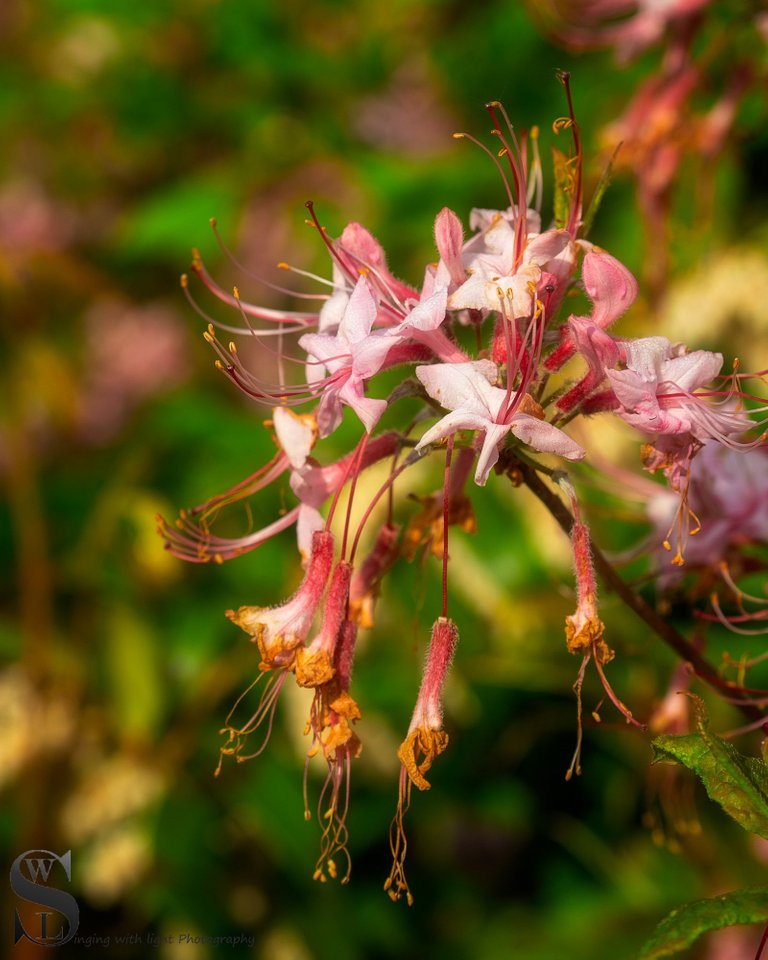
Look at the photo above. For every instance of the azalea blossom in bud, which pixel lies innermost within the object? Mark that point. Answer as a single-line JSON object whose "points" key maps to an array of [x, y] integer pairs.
{"points": [[449, 239], [612, 290], [600, 351]]}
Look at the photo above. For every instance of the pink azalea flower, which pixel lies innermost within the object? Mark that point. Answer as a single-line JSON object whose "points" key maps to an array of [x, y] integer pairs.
{"points": [[629, 26], [356, 352], [728, 493], [351, 356], [280, 631], [465, 390], [496, 270], [656, 392]]}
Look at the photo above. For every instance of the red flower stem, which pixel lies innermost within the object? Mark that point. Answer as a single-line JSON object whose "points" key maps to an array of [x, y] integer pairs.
{"points": [[664, 630], [446, 516]]}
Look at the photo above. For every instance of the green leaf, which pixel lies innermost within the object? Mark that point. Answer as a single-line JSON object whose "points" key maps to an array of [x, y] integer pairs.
{"points": [[738, 783], [597, 197], [563, 187], [688, 922]]}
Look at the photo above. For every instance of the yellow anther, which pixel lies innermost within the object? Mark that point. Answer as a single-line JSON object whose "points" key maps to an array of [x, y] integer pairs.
{"points": [[184, 280], [219, 365], [236, 293], [232, 346], [207, 336], [283, 265], [534, 133], [212, 221], [458, 136], [502, 153]]}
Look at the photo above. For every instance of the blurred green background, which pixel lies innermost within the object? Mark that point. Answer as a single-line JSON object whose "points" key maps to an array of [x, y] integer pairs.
{"points": [[125, 127]]}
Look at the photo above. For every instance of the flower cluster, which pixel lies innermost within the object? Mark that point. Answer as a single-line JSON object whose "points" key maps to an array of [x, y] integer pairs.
{"points": [[482, 343], [712, 55]]}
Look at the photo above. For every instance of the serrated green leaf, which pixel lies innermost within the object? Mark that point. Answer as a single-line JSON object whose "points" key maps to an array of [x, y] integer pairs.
{"points": [[687, 923], [738, 783]]}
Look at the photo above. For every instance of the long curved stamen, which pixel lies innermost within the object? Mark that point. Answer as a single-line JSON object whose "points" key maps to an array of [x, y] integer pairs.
{"points": [[328, 243], [729, 622], [197, 545], [397, 308], [518, 162], [685, 523], [621, 707], [740, 595], [575, 764], [265, 712], [396, 883], [296, 294], [246, 488], [253, 310], [228, 328], [311, 276], [492, 155]]}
